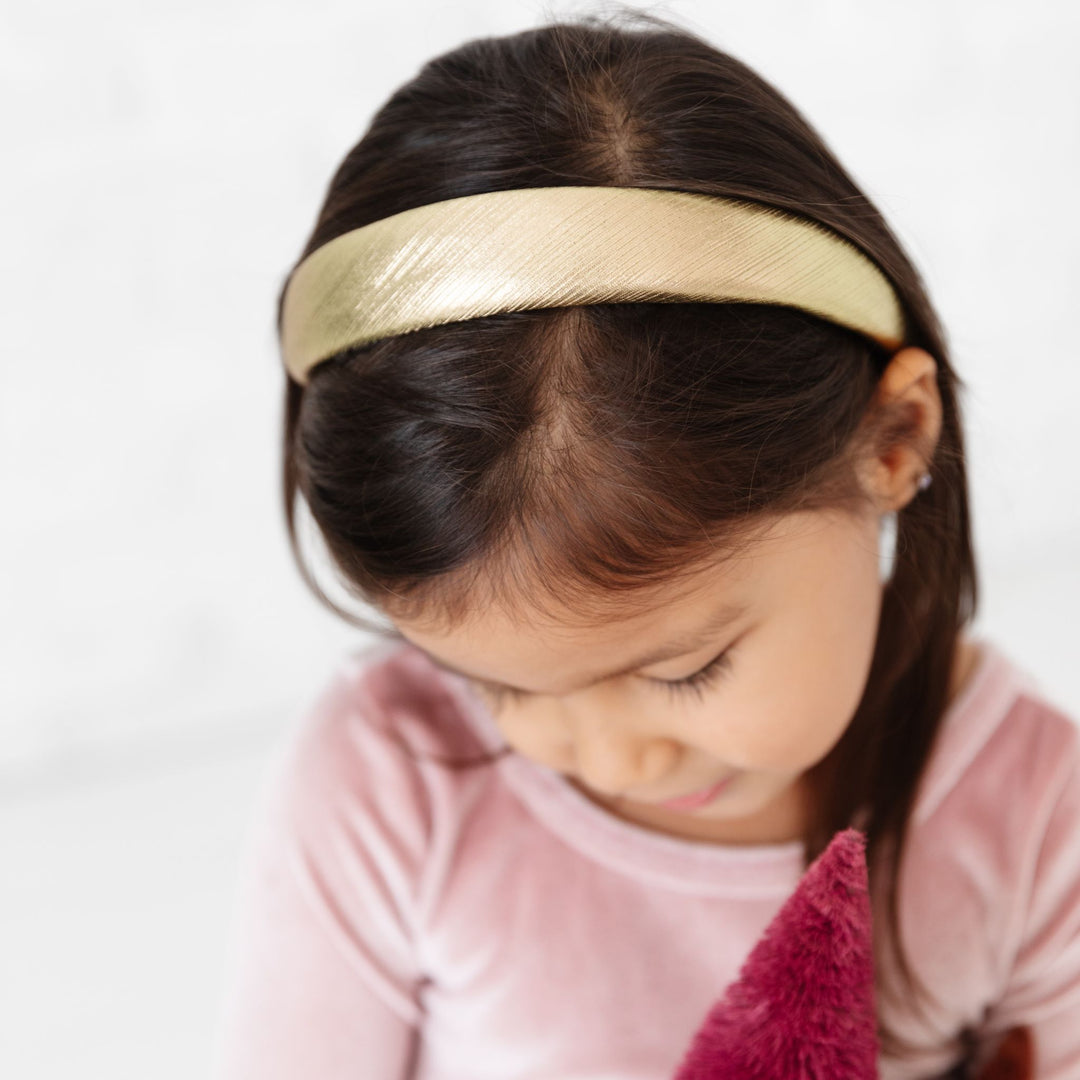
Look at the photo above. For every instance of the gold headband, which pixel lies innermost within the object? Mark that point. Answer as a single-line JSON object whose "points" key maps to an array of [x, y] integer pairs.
{"points": [[561, 246]]}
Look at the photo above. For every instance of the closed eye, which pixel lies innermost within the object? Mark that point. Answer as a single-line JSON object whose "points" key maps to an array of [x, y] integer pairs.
{"points": [[695, 683]]}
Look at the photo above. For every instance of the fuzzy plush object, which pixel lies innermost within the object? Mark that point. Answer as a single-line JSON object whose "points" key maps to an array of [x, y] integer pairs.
{"points": [[803, 1006]]}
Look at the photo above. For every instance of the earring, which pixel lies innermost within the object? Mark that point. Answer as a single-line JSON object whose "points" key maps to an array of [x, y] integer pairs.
{"points": [[887, 547]]}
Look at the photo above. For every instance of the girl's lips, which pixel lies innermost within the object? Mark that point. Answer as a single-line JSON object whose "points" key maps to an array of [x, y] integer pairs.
{"points": [[697, 799]]}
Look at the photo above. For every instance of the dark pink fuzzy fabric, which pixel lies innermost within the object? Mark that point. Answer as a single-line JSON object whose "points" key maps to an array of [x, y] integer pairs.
{"points": [[802, 1007]]}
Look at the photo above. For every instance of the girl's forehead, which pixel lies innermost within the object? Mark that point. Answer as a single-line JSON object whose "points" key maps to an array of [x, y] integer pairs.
{"points": [[800, 572], [509, 653], [706, 596]]}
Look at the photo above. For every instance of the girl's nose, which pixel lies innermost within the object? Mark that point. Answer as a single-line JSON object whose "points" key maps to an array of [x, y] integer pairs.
{"points": [[614, 759]]}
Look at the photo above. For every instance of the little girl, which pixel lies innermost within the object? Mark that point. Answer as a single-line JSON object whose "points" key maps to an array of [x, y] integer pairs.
{"points": [[622, 407]]}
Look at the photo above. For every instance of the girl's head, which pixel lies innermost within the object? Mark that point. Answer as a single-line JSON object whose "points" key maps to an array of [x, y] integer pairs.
{"points": [[539, 497]]}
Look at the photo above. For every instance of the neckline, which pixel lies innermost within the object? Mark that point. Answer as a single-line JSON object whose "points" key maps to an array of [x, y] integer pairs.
{"points": [[682, 863]]}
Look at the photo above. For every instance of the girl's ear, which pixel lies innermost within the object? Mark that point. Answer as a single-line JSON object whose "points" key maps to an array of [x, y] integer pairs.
{"points": [[908, 390]]}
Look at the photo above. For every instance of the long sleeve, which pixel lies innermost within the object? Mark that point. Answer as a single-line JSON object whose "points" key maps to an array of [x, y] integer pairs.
{"points": [[321, 978], [1043, 988]]}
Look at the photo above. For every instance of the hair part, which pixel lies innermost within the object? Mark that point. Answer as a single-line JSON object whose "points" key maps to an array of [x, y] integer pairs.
{"points": [[582, 456]]}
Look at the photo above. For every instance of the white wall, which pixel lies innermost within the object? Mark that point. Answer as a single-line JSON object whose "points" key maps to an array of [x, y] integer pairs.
{"points": [[164, 163]]}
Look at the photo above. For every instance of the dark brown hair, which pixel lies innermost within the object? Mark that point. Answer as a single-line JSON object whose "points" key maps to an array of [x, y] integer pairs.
{"points": [[584, 454]]}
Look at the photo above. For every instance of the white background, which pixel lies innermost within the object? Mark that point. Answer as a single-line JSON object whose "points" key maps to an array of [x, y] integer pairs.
{"points": [[164, 165]]}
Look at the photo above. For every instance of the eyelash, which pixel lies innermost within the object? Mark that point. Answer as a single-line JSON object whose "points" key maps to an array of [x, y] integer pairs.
{"points": [[697, 682], [692, 684]]}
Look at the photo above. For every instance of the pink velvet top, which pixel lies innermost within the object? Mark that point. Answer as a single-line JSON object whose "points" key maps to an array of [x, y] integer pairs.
{"points": [[397, 918]]}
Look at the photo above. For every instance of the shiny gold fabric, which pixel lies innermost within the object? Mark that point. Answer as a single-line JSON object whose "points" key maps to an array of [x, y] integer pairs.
{"points": [[561, 246]]}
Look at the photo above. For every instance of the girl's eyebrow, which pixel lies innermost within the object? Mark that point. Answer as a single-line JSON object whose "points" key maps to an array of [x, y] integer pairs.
{"points": [[686, 642]]}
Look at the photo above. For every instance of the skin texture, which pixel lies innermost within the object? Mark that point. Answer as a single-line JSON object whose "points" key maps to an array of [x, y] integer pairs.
{"points": [[799, 660]]}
